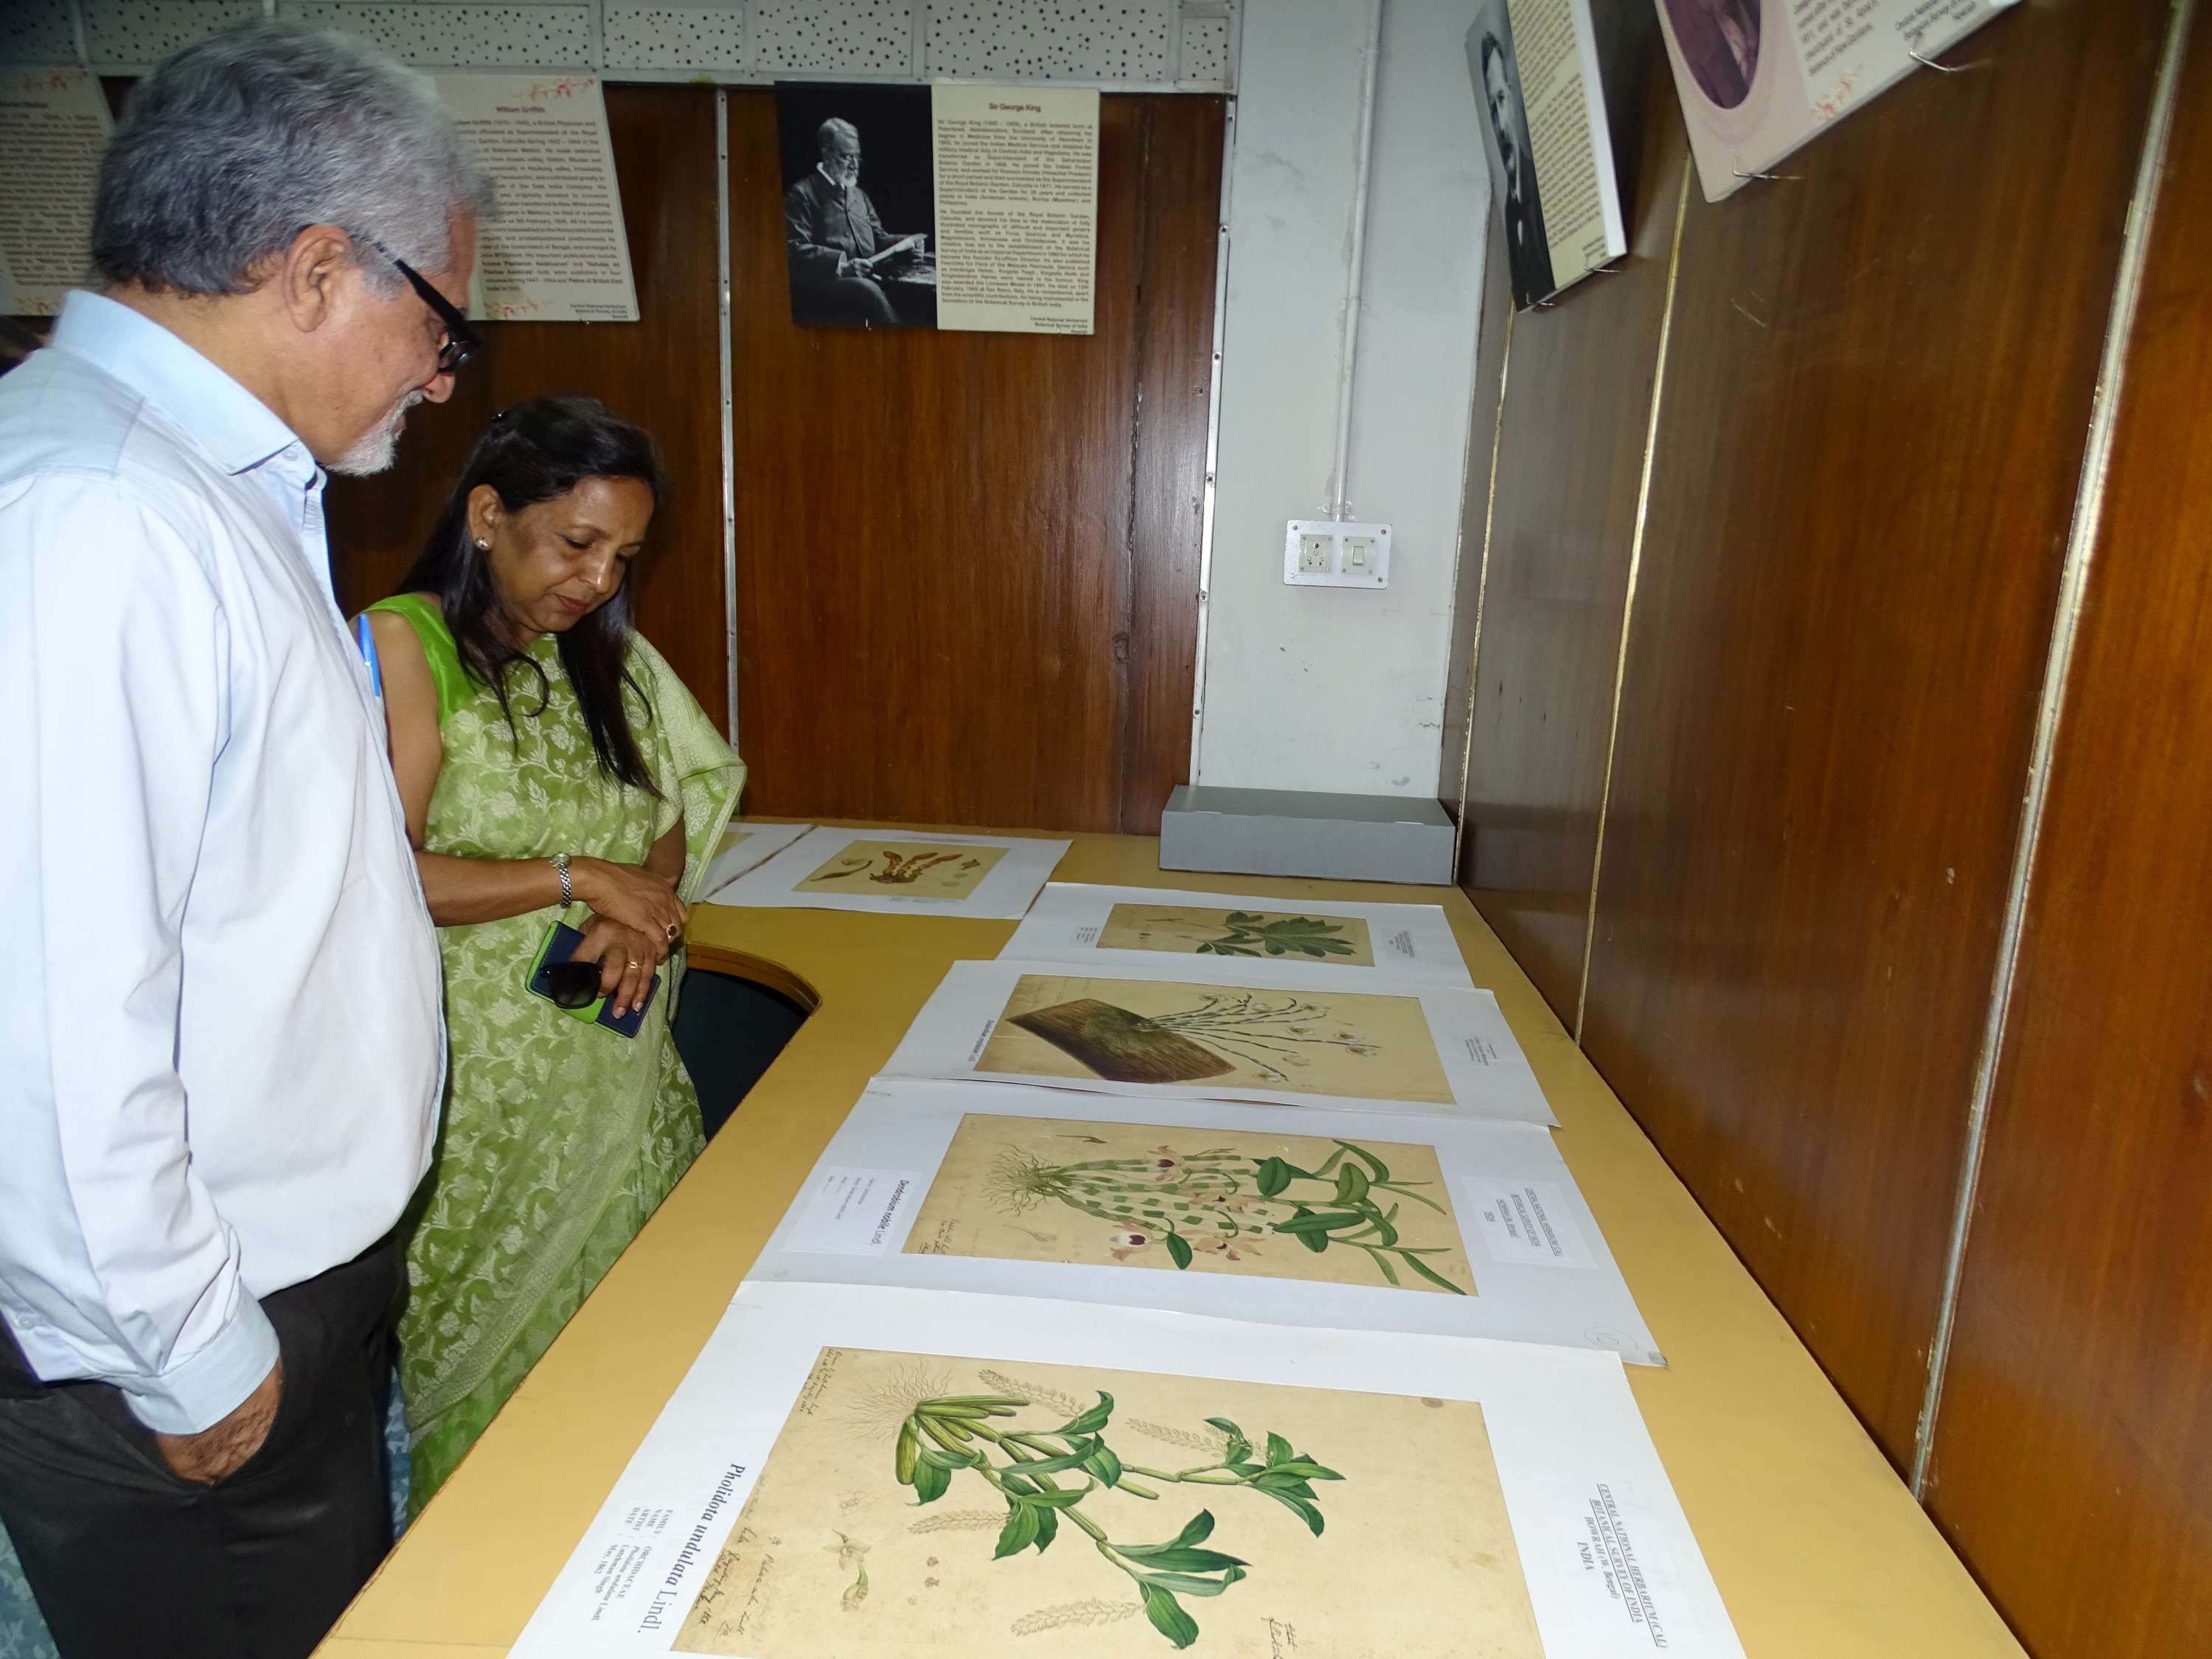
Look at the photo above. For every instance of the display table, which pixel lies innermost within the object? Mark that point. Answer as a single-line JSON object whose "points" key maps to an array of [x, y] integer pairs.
{"points": [[1817, 1547]]}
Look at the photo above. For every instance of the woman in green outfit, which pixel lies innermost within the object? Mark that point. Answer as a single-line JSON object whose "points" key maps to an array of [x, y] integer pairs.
{"points": [[553, 768]]}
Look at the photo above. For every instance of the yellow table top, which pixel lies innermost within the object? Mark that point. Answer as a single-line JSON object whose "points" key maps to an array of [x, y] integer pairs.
{"points": [[1816, 1546]]}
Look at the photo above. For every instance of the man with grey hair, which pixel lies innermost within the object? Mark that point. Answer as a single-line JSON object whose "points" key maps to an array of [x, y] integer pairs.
{"points": [[218, 1083], [835, 240]]}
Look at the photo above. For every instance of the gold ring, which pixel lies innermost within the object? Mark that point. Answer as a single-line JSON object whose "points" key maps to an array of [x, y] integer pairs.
{"points": [[633, 964], [673, 930]]}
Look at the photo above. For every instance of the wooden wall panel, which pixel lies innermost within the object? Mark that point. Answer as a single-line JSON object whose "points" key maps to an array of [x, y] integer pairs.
{"points": [[1563, 524], [2074, 1442], [661, 371], [968, 562], [1178, 261], [1483, 432], [1878, 386]]}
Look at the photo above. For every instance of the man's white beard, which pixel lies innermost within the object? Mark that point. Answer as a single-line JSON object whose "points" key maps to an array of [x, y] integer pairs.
{"points": [[376, 450]]}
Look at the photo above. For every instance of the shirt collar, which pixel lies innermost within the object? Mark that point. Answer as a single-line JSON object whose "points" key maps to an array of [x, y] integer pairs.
{"points": [[837, 185], [235, 428]]}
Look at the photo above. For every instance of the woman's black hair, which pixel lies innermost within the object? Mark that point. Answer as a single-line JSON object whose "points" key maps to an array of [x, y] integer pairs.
{"points": [[540, 449]]}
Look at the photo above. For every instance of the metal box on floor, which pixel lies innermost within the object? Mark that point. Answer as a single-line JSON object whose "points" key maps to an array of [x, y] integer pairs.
{"points": [[1295, 832]]}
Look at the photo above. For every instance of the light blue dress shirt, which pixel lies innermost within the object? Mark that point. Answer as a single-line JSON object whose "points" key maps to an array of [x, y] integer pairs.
{"points": [[220, 1066]]}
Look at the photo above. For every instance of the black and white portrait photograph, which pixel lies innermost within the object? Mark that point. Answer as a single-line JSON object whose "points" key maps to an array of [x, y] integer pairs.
{"points": [[859, 204], [1719, 43], [1496, 76]]}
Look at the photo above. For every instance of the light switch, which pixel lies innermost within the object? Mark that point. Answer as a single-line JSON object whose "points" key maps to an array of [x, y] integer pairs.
{"points": [[1336, 553]]}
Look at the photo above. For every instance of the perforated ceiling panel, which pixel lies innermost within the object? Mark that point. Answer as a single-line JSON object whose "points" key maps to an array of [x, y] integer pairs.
{"points": [[557, 35], [38, 32], [132, 33], [703, 39], [851, 37], [1186, 44], [1122, 40], [1204, 53]]}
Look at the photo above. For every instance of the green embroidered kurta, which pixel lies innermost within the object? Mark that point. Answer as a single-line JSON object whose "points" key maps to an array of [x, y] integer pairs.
{"points": [[559, 1138]]}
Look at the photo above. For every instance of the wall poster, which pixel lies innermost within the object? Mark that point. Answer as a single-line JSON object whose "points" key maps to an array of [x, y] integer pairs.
{"points": [[53, 126], [556, 249], [1535, 65], [955, 206], [1759, 78]]}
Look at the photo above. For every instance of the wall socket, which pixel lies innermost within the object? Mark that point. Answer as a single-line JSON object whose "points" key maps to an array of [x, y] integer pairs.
{"points": [[1333, 553]]}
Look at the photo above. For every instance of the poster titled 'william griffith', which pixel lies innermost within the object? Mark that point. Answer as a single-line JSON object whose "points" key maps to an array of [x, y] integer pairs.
{"points": [[955, 206]]}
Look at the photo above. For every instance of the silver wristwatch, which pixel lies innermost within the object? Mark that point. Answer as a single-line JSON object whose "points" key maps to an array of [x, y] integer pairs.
{"points": [[560, 863]]}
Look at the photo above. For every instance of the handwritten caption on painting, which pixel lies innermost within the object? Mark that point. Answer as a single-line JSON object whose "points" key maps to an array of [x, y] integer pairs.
{"points": [[853, 1212], [1526, 1223]]}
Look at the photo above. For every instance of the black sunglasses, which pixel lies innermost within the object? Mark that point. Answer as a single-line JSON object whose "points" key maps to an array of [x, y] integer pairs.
{"points": [[460, 342], [573, 984]]}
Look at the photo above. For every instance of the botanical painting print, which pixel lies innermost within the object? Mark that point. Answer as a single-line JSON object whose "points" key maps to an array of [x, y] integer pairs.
{"points": [[1370, 1047], [1280, 935], [913, 869], [1194, 1200], [924, 1506]]}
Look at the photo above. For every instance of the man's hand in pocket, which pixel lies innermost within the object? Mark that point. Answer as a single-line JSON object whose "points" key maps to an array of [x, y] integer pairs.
{"points": [[221, 1449]]}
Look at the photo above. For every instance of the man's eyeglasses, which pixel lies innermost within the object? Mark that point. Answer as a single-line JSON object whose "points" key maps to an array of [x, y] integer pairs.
{"points": [[460, 342]]}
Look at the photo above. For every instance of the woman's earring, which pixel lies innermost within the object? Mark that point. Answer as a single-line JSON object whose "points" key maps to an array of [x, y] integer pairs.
{"points": [[483, 546]]}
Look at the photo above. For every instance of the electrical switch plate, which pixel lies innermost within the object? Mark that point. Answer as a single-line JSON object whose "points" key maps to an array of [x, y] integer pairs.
{"points": [[1333, 553]]}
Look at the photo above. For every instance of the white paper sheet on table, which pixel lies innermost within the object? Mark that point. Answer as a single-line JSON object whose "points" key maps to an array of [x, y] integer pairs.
{"points": [[744, 847], [1407, 1048], [894, 870], [763, 1518], [1264, 941], [1025, 1192]]}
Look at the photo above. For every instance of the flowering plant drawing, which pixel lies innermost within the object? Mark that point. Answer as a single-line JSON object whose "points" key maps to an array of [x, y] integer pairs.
{"points": [[1226, 1203], [1249, 934], [1044, 1476]]}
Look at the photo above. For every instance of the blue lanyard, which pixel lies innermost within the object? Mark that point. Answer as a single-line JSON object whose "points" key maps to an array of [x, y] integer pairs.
{"points": [[366, 640]]}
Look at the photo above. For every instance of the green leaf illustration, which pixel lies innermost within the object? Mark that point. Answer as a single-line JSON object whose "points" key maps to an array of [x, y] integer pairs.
{"points": [[1178, 1250], [930, 1480], [1350, 1184], [1183, 1583], [1179, 1557], [1168, 1617], [1279, 1451], [1377, 1169], [1058, 1499], [1272, 1177], [1430, 1274], [1020, 1532], [1200, 1527], [1092, 1421], [1102, 1465], [1303, 1508], [1239, 1447]]}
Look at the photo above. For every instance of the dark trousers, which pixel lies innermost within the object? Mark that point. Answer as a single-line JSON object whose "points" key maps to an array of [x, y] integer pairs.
{"points": [[857, 299], [128, 1559]]}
